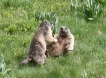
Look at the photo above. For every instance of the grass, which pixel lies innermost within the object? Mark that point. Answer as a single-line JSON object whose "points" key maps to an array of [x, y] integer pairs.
{"points": [[17, 27]]}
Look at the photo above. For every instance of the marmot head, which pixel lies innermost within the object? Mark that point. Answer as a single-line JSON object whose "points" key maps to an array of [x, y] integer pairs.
{"points": [[46, 23], [64, 31]]}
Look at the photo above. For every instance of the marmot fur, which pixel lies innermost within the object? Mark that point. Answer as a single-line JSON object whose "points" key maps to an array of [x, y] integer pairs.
{"points": [[38, 44], [64, 45]]}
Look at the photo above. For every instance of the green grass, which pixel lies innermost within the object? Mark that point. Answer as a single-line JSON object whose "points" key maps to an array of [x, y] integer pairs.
{"points": [[17, 27]]}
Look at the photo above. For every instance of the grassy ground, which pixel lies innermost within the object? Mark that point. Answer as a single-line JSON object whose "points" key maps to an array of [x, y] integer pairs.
{"points": [[17, 27]]}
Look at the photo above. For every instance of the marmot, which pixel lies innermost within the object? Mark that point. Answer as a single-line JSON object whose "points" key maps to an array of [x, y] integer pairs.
{"points": [[38, 44], [64, 45]]}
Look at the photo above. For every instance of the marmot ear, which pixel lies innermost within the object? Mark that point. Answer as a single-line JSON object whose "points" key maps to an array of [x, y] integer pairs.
{"points": [[66, 27]]}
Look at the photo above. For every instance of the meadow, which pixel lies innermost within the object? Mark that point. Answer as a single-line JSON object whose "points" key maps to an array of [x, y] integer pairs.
{"points": [[19, 19]]}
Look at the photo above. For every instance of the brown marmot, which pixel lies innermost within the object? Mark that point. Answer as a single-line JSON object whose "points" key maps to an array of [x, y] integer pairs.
{"points": [[38, 44], [64, 45]]}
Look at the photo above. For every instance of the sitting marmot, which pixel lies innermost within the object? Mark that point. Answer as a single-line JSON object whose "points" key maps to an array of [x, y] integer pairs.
{"points": [[38, 44], [64, 45]]}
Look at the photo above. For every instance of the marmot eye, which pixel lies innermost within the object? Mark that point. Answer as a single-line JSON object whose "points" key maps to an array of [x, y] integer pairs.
{"points": [[61, 28], [45, 23]]}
